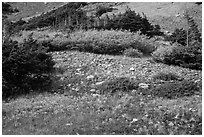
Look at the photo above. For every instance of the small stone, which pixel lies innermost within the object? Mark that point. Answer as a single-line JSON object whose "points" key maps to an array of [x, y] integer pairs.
{"points": [[144, 85], [90, 77], [99, 83], [132, 69], [95, 95], [68, 124], [134, 91], [92, 90], [171, 124]]}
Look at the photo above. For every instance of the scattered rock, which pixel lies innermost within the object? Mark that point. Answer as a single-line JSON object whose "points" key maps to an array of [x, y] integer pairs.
{"points": [[92, 90], [132, 69], [90, 77], [95, 95], [99, 83], [144, 85]]}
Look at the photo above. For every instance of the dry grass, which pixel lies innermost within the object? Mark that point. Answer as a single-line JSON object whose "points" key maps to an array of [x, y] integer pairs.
{"points": [[89, 112]]}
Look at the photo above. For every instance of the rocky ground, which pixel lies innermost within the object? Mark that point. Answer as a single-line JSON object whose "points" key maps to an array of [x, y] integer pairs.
{"points": [[106, 66], [79, 73]]}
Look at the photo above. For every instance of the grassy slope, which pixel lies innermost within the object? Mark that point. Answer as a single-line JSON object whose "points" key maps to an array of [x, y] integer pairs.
{"points": [[101, 114], [162, 13], [29, 9]]}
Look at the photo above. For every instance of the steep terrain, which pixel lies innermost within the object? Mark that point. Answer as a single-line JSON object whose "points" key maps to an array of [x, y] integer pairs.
{"points": [[100, 94], [168, 15], [29, 9]]}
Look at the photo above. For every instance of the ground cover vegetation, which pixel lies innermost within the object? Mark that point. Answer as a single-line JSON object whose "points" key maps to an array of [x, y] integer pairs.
{"points": [[101, 81]]}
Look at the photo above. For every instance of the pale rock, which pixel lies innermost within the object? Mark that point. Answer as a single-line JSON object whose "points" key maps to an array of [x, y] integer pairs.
{"points": [[92, 90], [95, 95], [90, 77], [132, 69], [144, 85], [99, 83]]}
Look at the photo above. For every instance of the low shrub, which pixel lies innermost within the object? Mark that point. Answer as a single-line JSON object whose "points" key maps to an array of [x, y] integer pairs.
{"points": [[109, 42], [122, 84], [130, 52], [185, 57], [176, 89], [166, 76], [102, 9], [188, 57], [160, 54], [25, 67]]}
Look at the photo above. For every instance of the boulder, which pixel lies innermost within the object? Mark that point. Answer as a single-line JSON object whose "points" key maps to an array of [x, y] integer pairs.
{"points": [[144, 85]]}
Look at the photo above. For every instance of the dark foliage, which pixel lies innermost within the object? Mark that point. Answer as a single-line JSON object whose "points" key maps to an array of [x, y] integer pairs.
{"points": [[7, 9], [121, 84], [185, 57], [25, 67], [68, 15], [130, 52], [176, 90], [133, 22], [72, 17], [198, 3], [101, 10], [166, 76], [181, 35], [190, 54]]}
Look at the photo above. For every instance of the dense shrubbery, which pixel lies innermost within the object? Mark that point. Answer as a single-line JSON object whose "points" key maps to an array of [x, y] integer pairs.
{"points": [[176, 89], [133, 22], [7, 9], [101, 10], [56, 18], [166, 76], [109, 42], [184, 57], [161, 52], [130, 52], [188, 53], [25, 67], [121, 84], [70, 16], [187, 57]]}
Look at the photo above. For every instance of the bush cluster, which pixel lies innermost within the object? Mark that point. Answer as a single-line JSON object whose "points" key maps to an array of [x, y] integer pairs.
{"points": [[130, 52], [189, 52], [25, 67], [166, 76], [102, 9], [121, 84], [188, 57], [108, 42], [129, 20], [176, 89], [185, 57], [71, 16]]}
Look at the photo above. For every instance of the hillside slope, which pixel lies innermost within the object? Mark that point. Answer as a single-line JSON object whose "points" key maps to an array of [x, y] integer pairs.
{"points": [[169, 15], [29, 9]]}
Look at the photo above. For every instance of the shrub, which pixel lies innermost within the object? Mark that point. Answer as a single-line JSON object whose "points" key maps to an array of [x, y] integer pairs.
{"points": [[184, 57], [160, 54], [101, 10], [188, 57], [130, 52], [109, 41], [134, 22], [175, 90], [122, 84], [25, 67], [166, 76]]}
